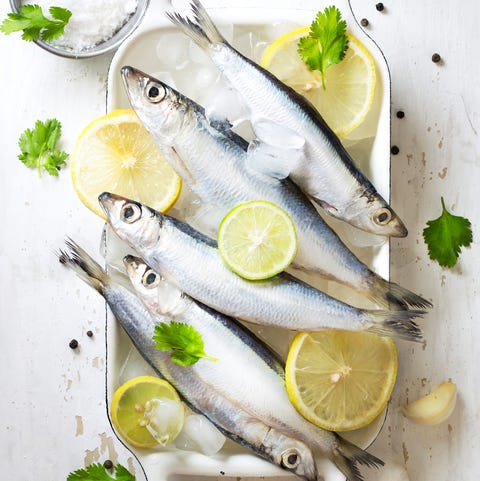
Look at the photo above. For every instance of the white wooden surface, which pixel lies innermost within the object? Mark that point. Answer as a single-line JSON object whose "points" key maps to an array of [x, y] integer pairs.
{"points": [[52, 403]]}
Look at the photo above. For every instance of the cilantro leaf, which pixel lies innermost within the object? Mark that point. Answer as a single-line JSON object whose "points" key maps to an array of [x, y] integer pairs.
{"points": [[183, 340], [326, 43], [96, 472], [38, 147], [31, 20], [446, 235]]}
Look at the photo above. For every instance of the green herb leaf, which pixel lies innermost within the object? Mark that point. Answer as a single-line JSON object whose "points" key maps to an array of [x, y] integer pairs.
{"points": [[183, 340], [326, 43], [34, 24], [96, 472], [38, 147], [446, 235]]}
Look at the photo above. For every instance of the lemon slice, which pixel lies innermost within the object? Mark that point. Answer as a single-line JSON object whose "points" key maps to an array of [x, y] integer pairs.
{"points": [[340, 380], [115, 153], [350, 84], [136, 412], [257, 240]]}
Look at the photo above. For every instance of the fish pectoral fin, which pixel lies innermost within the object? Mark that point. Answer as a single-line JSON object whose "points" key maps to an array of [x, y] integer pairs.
{"points": [[326, 206], [177, 163]]}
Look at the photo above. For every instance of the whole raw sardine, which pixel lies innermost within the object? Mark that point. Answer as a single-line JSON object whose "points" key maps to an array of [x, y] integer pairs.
{"points": [[191, 261], [250, 405], [215, 167], [325, 172]]}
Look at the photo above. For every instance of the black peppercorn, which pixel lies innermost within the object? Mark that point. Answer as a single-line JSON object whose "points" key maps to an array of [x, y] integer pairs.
{"points": [[107, 464], [436, 58], [364, 22], [73, 344], [400, 114], [89, 333], [394, 150], [379, 7]]}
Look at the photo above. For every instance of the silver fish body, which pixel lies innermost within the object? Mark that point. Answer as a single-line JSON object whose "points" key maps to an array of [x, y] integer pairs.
{"points": [[212, 387], [191, 261], [213, 164], [326, 171]]}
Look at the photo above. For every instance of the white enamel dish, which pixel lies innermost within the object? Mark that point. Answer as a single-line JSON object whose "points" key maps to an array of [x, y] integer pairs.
{"points": [[142, 50]]}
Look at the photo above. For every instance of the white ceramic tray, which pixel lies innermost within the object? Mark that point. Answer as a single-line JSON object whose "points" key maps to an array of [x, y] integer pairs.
{"points": [[142, 50]]}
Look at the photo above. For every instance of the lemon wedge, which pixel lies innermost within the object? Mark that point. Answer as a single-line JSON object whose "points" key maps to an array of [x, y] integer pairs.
{"points": [[136, 412], [340, 380], [350, 84], [257, 240], [115, 153], [435, 407]]}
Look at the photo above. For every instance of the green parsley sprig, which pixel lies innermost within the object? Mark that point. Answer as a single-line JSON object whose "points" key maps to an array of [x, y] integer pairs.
{"points": [[183, 340], [326, 43], [31, 20], [446, 235], [38, 147], [97, 472]]}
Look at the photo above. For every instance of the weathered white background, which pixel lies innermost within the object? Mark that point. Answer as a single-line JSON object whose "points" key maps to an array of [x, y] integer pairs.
{"points": [[52, 404]]}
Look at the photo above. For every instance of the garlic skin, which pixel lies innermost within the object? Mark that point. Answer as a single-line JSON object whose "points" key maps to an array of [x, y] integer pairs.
{"points": [[435, 407]]}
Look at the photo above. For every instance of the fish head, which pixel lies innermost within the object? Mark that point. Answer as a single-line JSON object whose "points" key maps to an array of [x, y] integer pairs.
{"points": [[371, 213], [159, 107], [135, 223], [155, 292], [292, 455]]}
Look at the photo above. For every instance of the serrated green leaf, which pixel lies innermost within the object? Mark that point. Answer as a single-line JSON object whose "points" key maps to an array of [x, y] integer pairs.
{"points": [[31, 20], [38, 147], [326, 43], [97, 472], [123, 474], [183, 340], [446, 235]]}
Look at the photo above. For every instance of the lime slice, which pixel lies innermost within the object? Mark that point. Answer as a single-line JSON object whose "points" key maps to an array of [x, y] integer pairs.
{"points": [[257, 240], [115, 153], [340, 380], [350, 84], [146, 411]]}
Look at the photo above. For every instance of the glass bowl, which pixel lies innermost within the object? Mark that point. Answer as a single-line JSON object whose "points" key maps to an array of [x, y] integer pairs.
{"points": [[106, 46]]}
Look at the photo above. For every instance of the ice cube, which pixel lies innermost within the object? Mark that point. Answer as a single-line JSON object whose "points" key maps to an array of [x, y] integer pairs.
{"points": [[199, 434], [274, 134], [225, 104], [165, 418], [133, 366], [205, 77], [272, 160], [206, 219], [172, 50]]}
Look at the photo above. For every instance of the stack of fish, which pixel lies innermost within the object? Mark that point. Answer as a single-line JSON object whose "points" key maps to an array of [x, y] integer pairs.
{"points": [[243, 393]]}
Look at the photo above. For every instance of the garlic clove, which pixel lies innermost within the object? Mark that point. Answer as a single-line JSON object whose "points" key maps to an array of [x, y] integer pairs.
{"points": [[435, 407]]}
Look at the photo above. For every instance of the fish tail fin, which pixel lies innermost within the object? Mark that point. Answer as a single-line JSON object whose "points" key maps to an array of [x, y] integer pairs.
{"points": [[391, 295], [397, 324], [347, 455], [83, 265], [201, 30]]}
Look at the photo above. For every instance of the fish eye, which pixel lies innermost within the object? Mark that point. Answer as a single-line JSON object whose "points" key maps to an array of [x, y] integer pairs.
{"points": [[150, 279], [290, 459], [155, 92], [382, 216], [130, 213]]}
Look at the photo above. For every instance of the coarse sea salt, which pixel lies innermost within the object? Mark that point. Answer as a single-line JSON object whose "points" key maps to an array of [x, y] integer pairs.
{"points": [[92, 21]]}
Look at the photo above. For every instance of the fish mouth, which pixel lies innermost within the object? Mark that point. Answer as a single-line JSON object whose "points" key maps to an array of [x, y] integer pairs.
{"points": [[108, 202], [132, 263], [397, 228]]}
